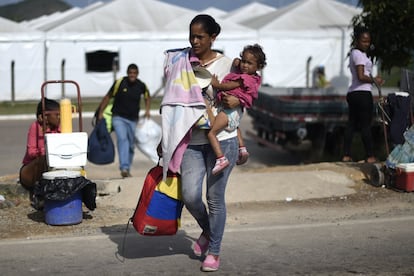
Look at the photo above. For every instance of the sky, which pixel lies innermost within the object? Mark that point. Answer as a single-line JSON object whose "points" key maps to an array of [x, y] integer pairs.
{"points": [[226, 5]]}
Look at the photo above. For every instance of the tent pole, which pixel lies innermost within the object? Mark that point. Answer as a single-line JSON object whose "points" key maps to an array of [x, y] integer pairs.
{"points": [[307, 70], [62, 73], [115, 67], [45, 60], [342, 29], [12, 83]]}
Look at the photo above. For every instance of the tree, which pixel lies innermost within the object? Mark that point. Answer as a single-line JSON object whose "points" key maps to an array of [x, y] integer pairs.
{"points": [[391, 24]]}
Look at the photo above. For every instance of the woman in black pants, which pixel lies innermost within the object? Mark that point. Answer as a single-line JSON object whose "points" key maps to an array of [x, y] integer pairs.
{"points": [[359, 97]]}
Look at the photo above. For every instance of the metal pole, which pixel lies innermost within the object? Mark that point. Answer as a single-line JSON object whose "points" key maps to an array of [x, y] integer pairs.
{"points": [[342, 29], [341, 72], [307, 70], [115, 67], [62, 73], [12, 83], [45, 60]]}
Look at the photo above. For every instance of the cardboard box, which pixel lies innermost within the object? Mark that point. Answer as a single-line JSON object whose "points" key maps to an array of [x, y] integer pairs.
{"points": [[404, 178], [66, 150]]}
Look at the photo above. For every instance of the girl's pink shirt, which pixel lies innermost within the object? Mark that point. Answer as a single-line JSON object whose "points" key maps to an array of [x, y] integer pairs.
{"points": [[35, 146], [248, 92]]}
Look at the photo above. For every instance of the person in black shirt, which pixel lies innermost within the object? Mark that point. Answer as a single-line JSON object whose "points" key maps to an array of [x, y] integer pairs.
{"points": [[126, 97]]}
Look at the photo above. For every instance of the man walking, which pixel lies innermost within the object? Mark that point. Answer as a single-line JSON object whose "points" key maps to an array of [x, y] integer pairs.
{"points": [[126, 94]]}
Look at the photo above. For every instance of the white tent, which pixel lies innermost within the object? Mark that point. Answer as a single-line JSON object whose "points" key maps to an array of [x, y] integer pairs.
{"points": [[246, 12], [214, 12], [39, 22], [126, 29], [304, 15], [52, 21], [21, 61], [130, 31], [307, 29], [134, 32]]}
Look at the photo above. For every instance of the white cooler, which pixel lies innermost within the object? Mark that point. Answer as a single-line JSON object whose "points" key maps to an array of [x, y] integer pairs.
{"points": [[66, 150]]}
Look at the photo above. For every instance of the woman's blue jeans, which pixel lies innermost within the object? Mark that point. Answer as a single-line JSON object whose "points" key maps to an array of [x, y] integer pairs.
{"points": [[125, 137], [198, 161]]}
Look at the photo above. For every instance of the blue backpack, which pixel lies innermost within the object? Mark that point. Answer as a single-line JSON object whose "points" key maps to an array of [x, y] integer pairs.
{"points": [[101, 148]]}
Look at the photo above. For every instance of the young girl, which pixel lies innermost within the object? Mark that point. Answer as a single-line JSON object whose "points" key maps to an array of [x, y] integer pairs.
{"points": [[34, 161], [243, 82]]}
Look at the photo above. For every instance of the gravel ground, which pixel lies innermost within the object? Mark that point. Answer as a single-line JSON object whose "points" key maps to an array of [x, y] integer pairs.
{"points": [[18, 220]]}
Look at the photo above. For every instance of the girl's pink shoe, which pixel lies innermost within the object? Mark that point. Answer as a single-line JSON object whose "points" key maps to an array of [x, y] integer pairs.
{"points": [[243, 156], [200, 246]]}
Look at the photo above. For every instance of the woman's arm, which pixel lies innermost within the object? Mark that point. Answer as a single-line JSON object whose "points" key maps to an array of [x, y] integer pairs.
{"points": [[32, 146], [210, 114], [364, 78], [229, 101], [226, 86]]}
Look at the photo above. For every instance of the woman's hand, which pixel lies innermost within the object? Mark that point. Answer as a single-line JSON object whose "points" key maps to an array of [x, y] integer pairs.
{"points": [[229, 101], [379, 81], [214, 81]]}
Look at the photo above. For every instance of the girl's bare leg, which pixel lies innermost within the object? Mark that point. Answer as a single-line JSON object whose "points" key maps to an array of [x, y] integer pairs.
{"points": [[219, 124]]}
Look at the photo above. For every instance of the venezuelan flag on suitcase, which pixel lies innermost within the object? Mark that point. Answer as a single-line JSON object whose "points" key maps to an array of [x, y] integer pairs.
{"points": [[159, 206]]}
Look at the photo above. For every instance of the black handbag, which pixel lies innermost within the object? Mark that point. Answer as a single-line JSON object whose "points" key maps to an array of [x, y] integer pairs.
{"points": [[101, 148]]}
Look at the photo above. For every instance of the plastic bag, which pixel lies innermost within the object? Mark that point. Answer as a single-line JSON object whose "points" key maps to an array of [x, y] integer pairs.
{"points": [[402, 153], [60, 189], [147, 137]]}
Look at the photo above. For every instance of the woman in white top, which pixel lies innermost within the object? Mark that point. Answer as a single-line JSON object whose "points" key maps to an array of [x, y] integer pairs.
{"points": [[359, 96], [198, 158]]}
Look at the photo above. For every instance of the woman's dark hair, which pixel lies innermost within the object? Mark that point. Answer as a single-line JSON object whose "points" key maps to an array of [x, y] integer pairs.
{"points": [[358, 31], [257, 51], [209, 24], [49, 106]]}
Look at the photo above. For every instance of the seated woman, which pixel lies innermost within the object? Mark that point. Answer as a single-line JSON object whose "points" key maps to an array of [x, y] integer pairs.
{"points": [[34, 161]]}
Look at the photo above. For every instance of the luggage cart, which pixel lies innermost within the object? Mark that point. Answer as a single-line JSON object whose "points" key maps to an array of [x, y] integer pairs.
{"points": [[79, 100], [397, 117]]}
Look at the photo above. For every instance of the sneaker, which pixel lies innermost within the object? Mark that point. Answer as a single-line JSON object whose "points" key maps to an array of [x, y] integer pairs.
{"points": [[243, 156], [221, 164], [125, 173], [200, 246], [210, 264]]}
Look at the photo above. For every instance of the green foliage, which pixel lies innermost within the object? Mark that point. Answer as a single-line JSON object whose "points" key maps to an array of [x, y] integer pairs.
{"points": [[391, 24]]}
